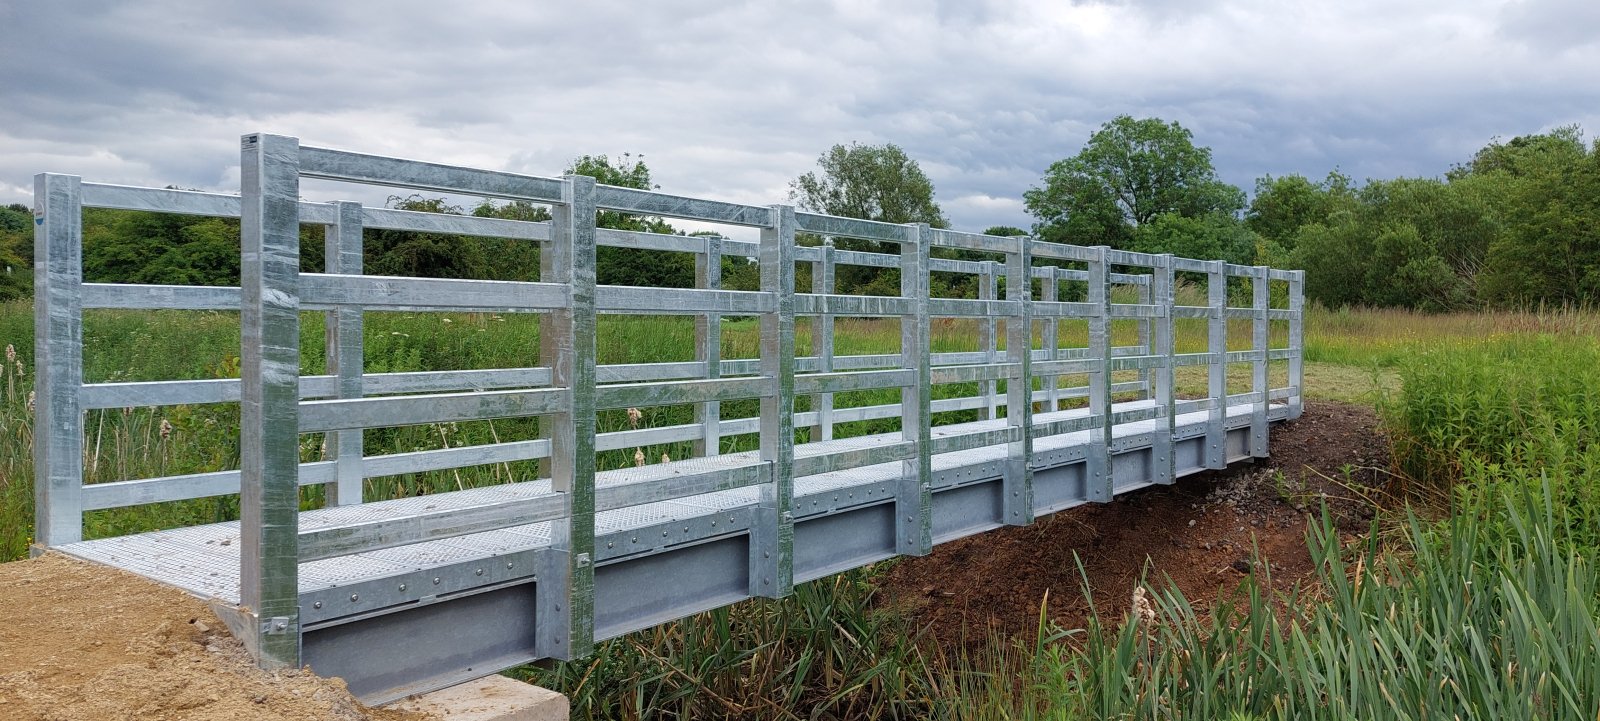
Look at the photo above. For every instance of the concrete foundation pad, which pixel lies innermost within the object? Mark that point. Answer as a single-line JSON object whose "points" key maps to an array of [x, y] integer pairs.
{"points": [[491, 698]]}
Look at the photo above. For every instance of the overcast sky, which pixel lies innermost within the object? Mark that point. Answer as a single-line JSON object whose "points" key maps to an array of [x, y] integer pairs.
{"points": [[733, 100]]}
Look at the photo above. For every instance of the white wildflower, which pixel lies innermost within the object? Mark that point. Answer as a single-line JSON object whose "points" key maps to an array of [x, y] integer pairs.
{"points": [[166, 429], [638, 457], [633, 417], [1142, 610]]}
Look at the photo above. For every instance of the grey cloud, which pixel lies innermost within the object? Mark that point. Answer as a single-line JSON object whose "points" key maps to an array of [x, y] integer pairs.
{"points": [[733, 100], [1556, 24]]}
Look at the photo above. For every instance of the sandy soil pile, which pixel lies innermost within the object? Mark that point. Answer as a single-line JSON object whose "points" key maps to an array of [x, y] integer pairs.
{"points": [[83, 642]]}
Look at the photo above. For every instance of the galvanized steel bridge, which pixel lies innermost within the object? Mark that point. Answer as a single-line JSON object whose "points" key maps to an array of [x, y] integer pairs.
{"points": [[405, 595]]}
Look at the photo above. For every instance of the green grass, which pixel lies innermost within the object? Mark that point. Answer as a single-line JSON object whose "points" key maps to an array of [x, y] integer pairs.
{"points": [[129, 443], [1461, 627], [1517, 414], [1485, 609]]}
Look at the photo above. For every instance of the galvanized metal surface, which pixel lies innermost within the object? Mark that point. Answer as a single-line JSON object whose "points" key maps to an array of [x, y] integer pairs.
{"points": [[590, 554], [345, 348], [58, 342], [269, 372], [566, 629], [771, 546]]}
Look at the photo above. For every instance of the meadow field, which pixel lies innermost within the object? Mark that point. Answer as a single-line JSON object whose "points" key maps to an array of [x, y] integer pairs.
{"points": [[1476, 597]]}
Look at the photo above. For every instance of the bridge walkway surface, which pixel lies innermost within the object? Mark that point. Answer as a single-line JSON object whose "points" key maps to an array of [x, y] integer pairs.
{"points": [[402, 596]]}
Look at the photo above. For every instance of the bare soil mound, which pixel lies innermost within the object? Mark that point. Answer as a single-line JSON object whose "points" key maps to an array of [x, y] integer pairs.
{"points": [[1204, 533], [83, 642]]}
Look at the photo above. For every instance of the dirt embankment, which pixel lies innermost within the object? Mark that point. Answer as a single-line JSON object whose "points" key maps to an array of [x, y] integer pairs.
{"points": [[1204, 533], [83, 642]]}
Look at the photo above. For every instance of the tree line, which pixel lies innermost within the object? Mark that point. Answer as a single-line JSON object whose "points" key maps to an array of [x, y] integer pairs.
{"points": [[1516, 224]]}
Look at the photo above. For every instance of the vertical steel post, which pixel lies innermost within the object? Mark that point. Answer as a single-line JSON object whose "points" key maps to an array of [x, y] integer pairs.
{"points": [[1297, 303], [987, 341], [1017, 483], [269, 408], [1216, 453], [914, 495], [345, 350], [772, 529], [1146, 380], [1161, 293], [1050, 292], [58, 359], [823, 280], [708, 346], [1258, 348], [1097, 475], [565, 621]]}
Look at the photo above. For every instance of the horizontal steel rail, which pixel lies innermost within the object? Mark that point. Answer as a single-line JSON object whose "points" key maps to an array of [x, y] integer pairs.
{"points": [[1022, 398]]}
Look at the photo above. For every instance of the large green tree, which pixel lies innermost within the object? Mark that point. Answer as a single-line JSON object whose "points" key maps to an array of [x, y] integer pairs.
{"points": [[872, 182], [1283, 205], [632, 266], [1408, 242], [1213, 236], [138, 247], [16, 251], [1525, 155], [1131, 172], [1546, 190], [431, 255]]}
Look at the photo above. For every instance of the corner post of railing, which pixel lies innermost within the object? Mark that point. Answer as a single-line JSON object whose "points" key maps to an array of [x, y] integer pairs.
{"points": [[58, 360], [986, 340], [564, 621], [824, 280], [772, 528], [1262, 300], [1146, 337], [345, 355], [269, 408], [1216, 452], [914, 495], [1297, 305], [1163, 376], [1050, 292], [708, 346], [1098, 477], [1017, 483]]}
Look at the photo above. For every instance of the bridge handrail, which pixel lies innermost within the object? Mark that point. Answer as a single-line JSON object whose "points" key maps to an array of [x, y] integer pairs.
{"points": [[570, 387]]}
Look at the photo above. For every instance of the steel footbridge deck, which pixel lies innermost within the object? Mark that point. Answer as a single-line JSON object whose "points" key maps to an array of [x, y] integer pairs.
{"points": [[400, 596]]}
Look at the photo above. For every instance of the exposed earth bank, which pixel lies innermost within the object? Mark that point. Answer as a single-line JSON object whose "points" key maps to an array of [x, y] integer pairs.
{"points": [[1204, 533]]}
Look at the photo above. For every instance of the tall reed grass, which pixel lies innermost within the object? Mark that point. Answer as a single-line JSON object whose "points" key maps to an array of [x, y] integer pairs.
{"points": [[128, 443], [1489, 612], [1466, 627], [1507, 413]]}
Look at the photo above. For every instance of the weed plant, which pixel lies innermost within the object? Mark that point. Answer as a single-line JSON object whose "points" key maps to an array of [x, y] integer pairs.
{"points": [[1490, 612]]}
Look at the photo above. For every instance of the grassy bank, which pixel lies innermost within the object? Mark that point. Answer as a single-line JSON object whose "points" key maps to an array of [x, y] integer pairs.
{"points": [[130, 443], [1489, 612]]}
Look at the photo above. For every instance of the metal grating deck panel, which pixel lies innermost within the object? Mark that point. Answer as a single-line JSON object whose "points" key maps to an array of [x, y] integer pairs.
{"points": [[204, 560]]}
